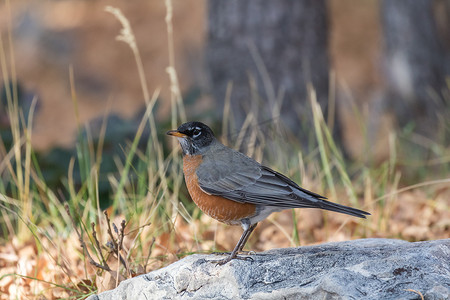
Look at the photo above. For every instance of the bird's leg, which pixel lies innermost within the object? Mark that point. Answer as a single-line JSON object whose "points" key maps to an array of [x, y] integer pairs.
{"points": [[242, 241], [244, 237], [249, 231]]}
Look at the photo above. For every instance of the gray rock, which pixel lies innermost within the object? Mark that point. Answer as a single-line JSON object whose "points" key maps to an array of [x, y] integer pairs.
{"points": [[360, 269]]}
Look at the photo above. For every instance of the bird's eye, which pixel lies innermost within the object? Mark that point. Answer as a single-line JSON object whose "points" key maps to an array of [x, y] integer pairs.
{"points": [[196, 133]]}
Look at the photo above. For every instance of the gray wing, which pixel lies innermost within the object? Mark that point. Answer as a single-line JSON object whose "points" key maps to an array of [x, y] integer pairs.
{"points": [[239, 178]]}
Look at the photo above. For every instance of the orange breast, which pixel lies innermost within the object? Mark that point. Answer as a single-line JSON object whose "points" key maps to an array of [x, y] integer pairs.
{"points": [[219, 208]]}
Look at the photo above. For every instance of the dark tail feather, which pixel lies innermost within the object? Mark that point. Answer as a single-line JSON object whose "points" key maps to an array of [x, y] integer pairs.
{"points": [[324, 204]]}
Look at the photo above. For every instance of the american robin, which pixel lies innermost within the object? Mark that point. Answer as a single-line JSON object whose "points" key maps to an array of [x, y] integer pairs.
{"points": [[237, 190]]}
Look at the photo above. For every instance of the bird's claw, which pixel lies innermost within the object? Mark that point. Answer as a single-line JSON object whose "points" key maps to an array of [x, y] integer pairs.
{"points": [[244, 252], [221, 253], [221, 262]]}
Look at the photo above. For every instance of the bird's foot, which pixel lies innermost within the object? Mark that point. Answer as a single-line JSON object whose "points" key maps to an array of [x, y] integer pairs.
{"points": [[245, 252], [221, 253], [221, 262]]}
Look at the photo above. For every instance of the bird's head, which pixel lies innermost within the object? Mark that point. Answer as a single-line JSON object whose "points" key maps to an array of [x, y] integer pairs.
{"points": [[194, 137]]}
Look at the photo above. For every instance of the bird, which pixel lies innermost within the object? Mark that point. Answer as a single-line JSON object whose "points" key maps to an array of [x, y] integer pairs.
{"points": [[235, 189]]}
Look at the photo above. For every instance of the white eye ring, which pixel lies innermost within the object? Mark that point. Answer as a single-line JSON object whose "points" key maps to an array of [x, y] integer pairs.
{"points": [[196, 133]]}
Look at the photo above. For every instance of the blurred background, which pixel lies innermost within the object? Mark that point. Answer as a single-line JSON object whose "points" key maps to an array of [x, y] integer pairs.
{"points": [[250, 69], [388, 60]]}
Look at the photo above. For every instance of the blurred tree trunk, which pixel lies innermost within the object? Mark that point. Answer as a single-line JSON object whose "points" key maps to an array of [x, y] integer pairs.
{"points": [[273, 48], [416, 63]]}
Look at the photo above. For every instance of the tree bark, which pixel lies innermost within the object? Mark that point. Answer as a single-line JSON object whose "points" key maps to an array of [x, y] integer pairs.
{"points": [[415, 64], [269, 51]]}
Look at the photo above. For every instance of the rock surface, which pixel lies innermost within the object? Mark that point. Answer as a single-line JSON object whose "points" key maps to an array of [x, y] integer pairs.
{"points": [[360, 269]]}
